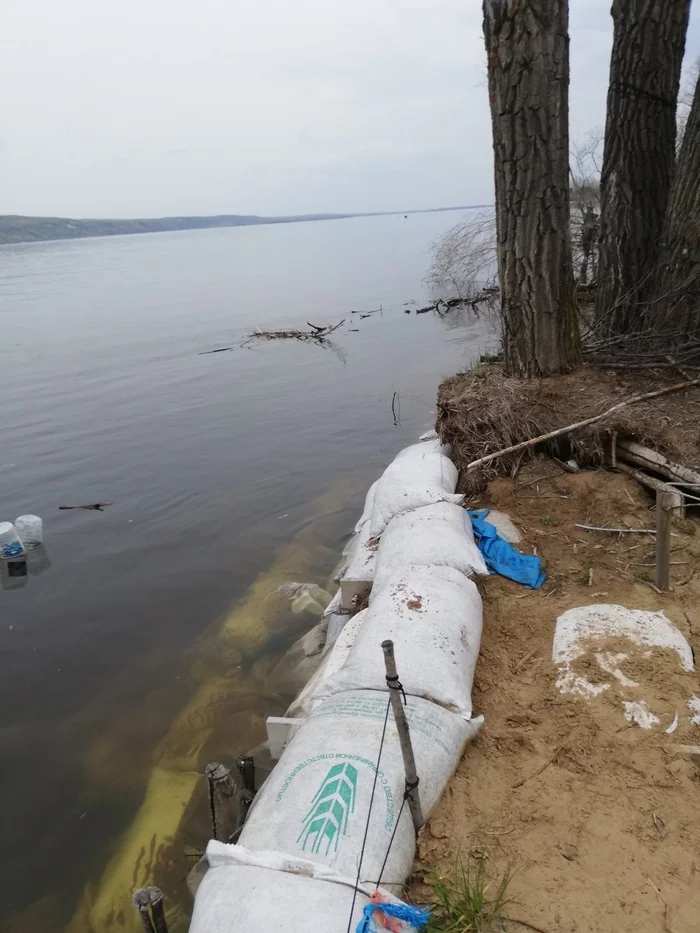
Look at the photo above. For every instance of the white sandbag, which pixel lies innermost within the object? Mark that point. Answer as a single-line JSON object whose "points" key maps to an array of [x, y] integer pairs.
{"points": [[437, 535], [361, 557], [265, 892], [367, 510], [315, 803], [419, 475], [332, 662], [335, 617], [434, 617]]}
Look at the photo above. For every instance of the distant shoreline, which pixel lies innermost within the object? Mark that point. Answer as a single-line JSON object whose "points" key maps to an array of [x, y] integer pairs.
{"points": [[15, 228]]}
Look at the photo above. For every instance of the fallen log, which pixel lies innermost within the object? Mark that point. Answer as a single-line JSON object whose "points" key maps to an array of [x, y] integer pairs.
{"points": [[533, 441], [651, 482], [652, 460]]}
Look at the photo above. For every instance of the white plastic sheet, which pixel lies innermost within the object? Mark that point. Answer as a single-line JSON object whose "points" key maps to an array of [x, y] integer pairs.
{"points": [[315, 803], [419, 475], [265, 892]]}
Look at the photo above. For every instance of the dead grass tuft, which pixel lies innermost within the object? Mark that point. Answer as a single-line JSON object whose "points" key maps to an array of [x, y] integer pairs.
{"points": [[484, 410]]}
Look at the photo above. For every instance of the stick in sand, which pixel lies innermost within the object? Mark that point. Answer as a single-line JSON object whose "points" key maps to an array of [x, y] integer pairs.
{"points": [[619, 531], [582, 424]]}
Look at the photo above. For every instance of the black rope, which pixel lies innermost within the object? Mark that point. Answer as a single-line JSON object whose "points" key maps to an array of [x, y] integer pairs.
{"points": [[410, 786], [369, 814], [393, 683]]}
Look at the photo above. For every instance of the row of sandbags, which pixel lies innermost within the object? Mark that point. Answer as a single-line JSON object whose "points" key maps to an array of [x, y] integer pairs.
{"points": [[296, 862]]}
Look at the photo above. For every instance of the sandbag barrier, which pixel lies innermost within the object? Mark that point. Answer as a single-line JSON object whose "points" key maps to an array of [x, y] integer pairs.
{"points": [[296, 861]]}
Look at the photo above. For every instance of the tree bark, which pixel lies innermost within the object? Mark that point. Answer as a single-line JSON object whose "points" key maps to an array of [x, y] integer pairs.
{"points": [[677, 306], [527, 46], [639, 153]]}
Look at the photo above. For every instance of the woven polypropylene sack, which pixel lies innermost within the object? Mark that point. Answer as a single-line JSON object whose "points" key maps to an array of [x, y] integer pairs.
{"points": [[264, 892], [434, 617], [419, 475], [315, 803], [437, 535]]}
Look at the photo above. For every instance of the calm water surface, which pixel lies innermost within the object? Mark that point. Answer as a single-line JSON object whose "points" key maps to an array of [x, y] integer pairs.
{"points": [[223, 469]]}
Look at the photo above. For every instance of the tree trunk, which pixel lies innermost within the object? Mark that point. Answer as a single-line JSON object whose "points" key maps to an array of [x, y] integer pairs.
{"points": [[677, 307], [639, 154], [528, 71]]}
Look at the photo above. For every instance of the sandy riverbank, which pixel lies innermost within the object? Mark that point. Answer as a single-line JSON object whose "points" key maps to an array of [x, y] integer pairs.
{"points": [[595, 817]]}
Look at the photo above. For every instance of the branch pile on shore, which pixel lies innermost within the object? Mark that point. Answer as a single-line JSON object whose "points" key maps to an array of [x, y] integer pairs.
{"points": [[483, 412]]}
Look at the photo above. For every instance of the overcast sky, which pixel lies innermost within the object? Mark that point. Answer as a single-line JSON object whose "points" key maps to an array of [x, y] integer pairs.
{"points": [[161, 107]]}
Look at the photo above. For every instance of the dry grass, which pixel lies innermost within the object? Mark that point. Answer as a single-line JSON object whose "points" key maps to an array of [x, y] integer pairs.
{"points": [[483, 411]]}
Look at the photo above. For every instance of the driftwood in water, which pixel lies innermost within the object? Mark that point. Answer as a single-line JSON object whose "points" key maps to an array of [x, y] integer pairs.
{"points": [[95, 507], [315, 335]]}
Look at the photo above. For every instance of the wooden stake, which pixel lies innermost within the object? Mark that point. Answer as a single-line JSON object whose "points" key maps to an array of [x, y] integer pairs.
{"points": [[141, 901], [664, 509], [246, 768], [409, 761], [156, 897], [221, 791]]}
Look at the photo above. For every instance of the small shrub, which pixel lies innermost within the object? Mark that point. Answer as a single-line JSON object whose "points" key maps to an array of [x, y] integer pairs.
{"points": [[465, 901]]}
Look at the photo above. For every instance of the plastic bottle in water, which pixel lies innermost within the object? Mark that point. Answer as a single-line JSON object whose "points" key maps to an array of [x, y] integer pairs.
{"points": [[30, 530], [10, 542]]}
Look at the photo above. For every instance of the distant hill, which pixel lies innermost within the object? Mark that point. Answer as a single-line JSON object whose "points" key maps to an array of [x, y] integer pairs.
{"points": [[15, 228]]}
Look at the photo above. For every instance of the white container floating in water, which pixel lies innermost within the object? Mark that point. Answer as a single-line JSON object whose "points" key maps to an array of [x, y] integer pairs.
{"points": [[10, 543], [30, 530]]}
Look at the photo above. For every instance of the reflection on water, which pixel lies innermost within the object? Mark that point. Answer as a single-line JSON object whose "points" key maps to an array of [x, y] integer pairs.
{"points": [[124, 669], [13, 573]]}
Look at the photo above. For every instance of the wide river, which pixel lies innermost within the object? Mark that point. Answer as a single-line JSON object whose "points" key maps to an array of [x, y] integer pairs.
{"points": [[147, 641]]}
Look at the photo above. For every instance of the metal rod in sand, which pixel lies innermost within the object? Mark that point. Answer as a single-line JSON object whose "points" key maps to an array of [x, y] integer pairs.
{"points": [[409, 761]]}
